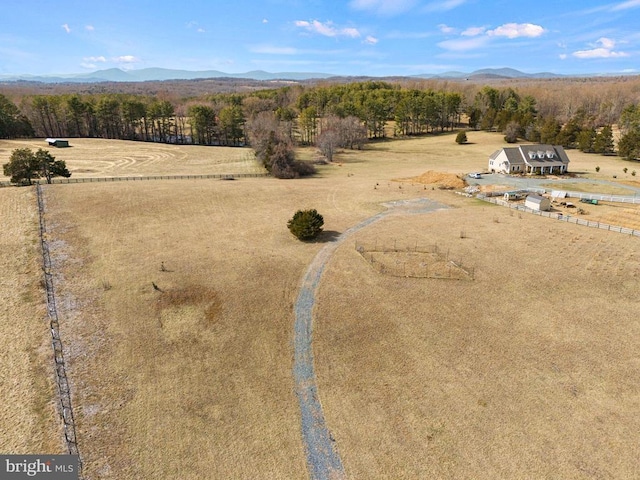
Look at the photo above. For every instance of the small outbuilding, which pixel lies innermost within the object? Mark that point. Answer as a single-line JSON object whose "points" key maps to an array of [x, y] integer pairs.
{"points": [[537, 202], [57, 142]]}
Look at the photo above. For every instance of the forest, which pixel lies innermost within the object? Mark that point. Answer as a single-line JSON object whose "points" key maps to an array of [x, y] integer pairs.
{"points": [[600, 115]]}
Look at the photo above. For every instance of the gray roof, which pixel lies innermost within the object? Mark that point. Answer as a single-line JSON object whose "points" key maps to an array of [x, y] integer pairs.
{"points": [[536, 199], [535, 155]]}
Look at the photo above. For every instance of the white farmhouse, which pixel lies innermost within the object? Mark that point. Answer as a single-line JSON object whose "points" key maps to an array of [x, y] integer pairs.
{"points": [[529, 159]]}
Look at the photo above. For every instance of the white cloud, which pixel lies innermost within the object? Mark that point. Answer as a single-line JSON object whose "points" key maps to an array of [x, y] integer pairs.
{"points": [[383, 7], [443, 6], [100, 59], [473, 31], [370, 40], [446, 29], [477, 37], [126, 59], [89, 28], [464, 44], [516, 30], [327, 29], [606, 43], [603, 48], [350, 32], [264, 20], [563, 56], [66, 28], [201, 30], [626, 5]]}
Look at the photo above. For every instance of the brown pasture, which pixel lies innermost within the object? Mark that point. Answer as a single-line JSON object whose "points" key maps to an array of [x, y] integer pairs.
{"points": [[92, 157], [176, 302], [29, 421]]}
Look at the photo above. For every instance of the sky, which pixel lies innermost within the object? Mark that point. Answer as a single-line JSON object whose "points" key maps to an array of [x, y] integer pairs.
{"points": [[350, 37]]}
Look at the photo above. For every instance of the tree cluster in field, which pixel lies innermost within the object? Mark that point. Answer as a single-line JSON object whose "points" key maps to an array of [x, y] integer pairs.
{"points": [[25, 166], [272, 142], [331, 116]]}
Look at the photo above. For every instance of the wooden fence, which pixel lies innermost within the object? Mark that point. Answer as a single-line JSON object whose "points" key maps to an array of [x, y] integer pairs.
{"points": [[222, 176]]}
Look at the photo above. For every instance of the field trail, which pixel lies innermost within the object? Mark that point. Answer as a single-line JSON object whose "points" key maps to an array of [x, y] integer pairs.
{"points": [[323, 459]]}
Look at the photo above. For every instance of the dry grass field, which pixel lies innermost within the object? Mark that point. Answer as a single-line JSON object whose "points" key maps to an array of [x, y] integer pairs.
{"points": [[28, 418], [527, 371], [93, 157]]}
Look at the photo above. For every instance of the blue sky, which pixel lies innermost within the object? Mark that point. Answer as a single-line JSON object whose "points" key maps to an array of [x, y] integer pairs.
{"points": [[351, 37]]}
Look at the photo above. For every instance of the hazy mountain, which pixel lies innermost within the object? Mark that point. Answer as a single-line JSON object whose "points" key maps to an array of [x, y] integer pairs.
{"points": [[491, 73], [159, 74]]}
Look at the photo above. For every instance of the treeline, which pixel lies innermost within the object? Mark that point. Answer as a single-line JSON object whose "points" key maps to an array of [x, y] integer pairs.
{"points": [[339, 115]]}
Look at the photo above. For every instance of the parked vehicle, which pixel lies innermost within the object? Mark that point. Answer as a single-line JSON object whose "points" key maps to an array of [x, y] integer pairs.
{"points": [[475, 175]]}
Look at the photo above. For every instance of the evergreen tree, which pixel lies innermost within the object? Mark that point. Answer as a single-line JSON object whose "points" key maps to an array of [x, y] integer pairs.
{"points": [[306, 224]]}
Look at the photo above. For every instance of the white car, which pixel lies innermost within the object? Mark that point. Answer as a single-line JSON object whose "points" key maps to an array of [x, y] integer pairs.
{"points": [[475, 175]]}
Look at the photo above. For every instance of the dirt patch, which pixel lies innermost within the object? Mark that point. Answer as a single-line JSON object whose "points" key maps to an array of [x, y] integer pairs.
{"points": [[441, 179], [187, 310]]}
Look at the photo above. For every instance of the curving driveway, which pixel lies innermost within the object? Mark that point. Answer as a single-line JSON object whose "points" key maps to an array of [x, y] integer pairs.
{"points": [[323, 459]]}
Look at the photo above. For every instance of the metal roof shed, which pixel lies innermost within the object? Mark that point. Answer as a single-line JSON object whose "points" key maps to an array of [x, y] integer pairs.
{"points": [[536, 202], [57, 142]]}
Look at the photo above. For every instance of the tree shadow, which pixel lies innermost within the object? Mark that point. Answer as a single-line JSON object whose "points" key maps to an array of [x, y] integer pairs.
{"points": [[327, 236]]}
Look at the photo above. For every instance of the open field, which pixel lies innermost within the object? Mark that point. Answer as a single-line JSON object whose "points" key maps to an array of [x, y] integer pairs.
{"points": [[93, 157], [526, 372], [28, 417], [529, 370]]}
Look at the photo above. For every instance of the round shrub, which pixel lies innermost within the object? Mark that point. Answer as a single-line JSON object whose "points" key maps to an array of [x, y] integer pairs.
{"points": [[461, 137], [306, 224]]}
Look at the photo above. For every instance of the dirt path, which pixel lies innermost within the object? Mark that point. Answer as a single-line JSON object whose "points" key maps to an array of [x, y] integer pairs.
{"points": [[323, 460]]}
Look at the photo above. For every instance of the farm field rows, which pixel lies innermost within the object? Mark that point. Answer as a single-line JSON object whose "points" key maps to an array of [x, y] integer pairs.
{"points": [[176, 310], [92, 157]]}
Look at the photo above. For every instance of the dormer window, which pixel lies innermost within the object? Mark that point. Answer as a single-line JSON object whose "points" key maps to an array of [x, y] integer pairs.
{"points": [[540, 154], [532, 155], [550, 154]]}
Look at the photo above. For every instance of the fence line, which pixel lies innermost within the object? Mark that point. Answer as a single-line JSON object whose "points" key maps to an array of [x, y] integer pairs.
{"points": [[413, 260], [222, 176], [605, 198], [571, 194], [563, 217], [58, 353]]}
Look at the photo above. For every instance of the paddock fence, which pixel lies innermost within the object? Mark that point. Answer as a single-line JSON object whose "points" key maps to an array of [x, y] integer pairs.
{"points": [[562, 217], [220, 176], [413, 260], [64, 391]]}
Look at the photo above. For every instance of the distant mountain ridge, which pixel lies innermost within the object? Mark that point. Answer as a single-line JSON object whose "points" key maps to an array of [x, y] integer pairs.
{"points": [[162, 74], [158, 74], [494, 73]]}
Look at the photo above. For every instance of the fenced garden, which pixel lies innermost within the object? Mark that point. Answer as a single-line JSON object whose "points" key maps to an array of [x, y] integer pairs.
{"points": [[414, 260]]}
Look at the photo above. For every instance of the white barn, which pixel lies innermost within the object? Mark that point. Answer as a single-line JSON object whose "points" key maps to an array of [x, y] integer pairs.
{"points": [[529, 159]]}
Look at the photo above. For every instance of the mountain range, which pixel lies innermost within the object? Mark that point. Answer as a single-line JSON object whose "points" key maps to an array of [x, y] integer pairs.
{"points": [[161, 74]]}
